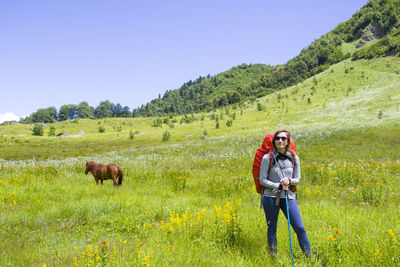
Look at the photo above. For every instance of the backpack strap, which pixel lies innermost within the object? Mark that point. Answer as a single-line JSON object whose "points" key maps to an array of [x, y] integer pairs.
{"points": [[271, 163], [293, 188]]}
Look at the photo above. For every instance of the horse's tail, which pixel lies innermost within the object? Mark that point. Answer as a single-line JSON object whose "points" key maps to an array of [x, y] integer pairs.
{"points": [[120, 176]]}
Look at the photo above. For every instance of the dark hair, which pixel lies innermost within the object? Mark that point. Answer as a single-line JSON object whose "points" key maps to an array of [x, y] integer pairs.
{"points": [[288, 135]]}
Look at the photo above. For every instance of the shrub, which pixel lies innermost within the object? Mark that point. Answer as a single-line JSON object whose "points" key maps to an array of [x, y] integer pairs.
{"points": [[131, 134], [102, 129], [37, 130], [157, 122], [186, 119], [370, 193], [380, 114], [52, 131], [349, 89], [166, 136]]}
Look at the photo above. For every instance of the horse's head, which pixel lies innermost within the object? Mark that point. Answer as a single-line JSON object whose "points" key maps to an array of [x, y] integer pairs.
{"points": [[89, 165]]}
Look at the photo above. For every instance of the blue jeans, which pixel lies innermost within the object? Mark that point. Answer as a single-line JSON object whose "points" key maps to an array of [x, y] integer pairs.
{"points": [[271, 215]]}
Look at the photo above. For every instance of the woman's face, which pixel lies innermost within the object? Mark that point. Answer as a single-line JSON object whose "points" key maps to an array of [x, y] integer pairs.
{"points": [[281, 141]]}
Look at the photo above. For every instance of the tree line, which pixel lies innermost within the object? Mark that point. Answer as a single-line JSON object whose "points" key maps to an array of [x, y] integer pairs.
{"points": [[208, 93], [105, 109]]}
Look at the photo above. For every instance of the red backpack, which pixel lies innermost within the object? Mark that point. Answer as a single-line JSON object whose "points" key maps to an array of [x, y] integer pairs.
{"points": [[265, 147]]}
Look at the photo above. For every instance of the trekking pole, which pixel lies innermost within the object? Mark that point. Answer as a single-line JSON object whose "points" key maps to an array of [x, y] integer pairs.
{"points": [[288, 219]]}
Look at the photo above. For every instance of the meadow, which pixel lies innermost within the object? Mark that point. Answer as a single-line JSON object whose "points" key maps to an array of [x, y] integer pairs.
{"points": [[192, 201]]}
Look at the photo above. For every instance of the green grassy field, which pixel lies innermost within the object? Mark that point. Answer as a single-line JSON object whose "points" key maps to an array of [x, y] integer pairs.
{"points": [[192, 202]]}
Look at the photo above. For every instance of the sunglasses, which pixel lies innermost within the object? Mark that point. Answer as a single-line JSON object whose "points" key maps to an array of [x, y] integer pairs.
{"points": [[283, 138]]}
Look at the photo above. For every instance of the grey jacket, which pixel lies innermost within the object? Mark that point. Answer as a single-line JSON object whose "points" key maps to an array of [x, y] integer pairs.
{"points": [[280, 170]]}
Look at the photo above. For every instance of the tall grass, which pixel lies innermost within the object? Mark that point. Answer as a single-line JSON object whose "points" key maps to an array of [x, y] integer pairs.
{"points": [[174, 195], [192, 201]]}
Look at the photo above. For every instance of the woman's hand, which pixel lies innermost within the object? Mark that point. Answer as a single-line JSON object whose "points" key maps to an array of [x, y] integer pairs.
{"points": [[285, 182]]}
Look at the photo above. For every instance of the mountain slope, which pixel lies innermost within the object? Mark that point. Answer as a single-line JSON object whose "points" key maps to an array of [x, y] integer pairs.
{"points": [[206, 93], [377, 20], [348, 95]]}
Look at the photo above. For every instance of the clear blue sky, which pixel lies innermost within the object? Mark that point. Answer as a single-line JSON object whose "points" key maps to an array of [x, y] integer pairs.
{"points": [[68, 51]]}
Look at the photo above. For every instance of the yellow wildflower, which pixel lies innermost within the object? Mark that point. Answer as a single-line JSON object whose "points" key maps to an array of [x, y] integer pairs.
{"points": [[139, 249], [146, 260], [331, 238], [390, 232], [378, 254], [337, 230], [238, 202], [169, 227]]}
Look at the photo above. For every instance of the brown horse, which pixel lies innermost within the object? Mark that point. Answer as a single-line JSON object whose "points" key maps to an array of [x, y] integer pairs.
{"points": [[104, 172]]}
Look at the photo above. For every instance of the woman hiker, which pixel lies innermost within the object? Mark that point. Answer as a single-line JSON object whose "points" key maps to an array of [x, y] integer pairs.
{"points": [[284, 172]]}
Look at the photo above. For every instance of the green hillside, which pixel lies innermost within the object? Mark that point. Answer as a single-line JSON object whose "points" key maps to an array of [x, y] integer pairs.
{"points": [[371, 32], [350, 94], [207, 93], [191, 190]]}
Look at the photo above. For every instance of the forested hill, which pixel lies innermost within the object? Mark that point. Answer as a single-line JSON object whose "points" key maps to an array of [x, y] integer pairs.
{"points": [[209, 92], [373, 31]]}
